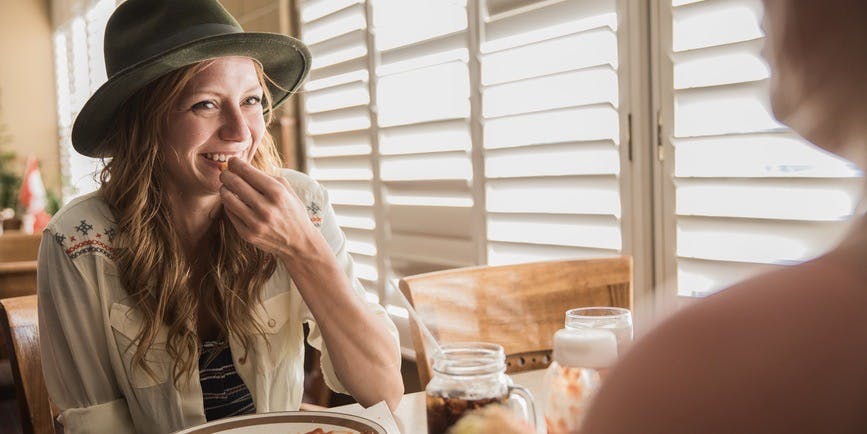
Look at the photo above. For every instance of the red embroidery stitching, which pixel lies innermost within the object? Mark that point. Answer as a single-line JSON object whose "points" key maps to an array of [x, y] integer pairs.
{"points": [[88, 243]]}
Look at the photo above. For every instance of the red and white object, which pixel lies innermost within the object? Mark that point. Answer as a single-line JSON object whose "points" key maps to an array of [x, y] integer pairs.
{"points": [[33, 197]]}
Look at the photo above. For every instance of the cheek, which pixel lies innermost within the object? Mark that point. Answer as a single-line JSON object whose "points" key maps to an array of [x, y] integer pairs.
{"points": [[182, 137]]}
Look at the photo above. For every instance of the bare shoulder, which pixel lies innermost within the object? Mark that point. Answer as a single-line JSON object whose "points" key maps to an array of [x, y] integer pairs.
{"points": [[783, 352]]}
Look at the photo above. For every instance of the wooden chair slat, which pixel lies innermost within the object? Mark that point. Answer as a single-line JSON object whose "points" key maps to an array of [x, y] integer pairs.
{"points": [[517, 306]]}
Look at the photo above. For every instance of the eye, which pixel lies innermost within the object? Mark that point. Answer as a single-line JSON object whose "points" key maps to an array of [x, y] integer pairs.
{"points": [[204, 105], [253, 100]]}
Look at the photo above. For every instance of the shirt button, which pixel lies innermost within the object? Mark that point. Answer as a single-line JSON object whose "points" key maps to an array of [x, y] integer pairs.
{"points": [[271, 322]]}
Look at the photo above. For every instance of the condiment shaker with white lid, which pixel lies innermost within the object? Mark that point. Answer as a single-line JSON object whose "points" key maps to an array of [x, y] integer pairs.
{"points": [[580, 360]]}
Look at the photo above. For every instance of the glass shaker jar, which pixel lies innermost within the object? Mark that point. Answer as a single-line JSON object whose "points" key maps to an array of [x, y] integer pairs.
{"points": [[581, 360], [468, 376]]}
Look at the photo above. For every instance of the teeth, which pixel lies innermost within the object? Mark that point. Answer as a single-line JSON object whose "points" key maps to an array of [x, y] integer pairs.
{"points": [[217, 157]]}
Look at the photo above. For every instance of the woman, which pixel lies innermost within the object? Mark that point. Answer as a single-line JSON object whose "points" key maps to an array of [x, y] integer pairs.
{"points": [[176, 294], [785, 352]]}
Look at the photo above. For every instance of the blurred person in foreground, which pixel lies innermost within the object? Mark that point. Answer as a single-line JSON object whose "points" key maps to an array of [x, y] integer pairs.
{"points": [[785, 352], [176, 293]]}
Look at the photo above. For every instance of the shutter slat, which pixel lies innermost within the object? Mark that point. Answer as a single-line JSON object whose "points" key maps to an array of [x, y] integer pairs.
{"points": [[761, 241], [553, 20], [567, 53], [501, 253], [754, 155]]}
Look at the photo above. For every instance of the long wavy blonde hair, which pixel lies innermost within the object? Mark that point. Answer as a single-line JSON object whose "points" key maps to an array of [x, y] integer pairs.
{"points": [[148, 251]]}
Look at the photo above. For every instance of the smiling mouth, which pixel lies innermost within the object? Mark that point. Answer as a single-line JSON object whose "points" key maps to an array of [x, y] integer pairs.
{"points": [[218, 157]]}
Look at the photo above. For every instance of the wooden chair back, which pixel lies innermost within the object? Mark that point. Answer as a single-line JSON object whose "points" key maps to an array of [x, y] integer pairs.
{"points": [[18, 319], [517, 306], [17, 278], [18, 246], [18, 253]]}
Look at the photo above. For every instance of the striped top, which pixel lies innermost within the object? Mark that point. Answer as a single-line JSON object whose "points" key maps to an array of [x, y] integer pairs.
{"points": [[224, 393]]}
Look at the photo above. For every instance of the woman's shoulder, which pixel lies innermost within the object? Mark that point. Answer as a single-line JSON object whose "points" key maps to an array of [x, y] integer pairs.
{"points": [[309, 191], [300, 182], [85, 224]]}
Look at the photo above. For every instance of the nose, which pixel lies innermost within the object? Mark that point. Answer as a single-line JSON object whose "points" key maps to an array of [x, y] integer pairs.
{"points": [[234, 127]]}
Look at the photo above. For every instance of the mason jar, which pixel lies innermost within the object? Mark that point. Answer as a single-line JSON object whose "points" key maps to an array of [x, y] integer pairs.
{"points": [[468, 376]]}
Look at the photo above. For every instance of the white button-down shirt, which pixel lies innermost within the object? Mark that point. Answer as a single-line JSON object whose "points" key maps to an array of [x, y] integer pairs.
{"points": [[87, 325]]}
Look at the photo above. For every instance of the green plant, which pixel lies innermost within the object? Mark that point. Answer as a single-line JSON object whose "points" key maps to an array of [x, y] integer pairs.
{"points": [[10, 179]]}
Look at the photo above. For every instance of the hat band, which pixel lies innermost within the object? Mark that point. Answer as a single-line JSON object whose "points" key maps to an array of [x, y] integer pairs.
{"points": [[181, 38]]}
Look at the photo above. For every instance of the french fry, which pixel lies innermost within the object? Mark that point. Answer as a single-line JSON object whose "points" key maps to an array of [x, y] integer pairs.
{"points": [[223, 166]]}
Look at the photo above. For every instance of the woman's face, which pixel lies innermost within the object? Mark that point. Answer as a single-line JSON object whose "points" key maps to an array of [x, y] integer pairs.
{"points": [[217, 115]]}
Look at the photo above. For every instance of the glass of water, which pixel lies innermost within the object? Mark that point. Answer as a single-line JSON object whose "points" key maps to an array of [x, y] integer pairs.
{"points": [[615, 319]]}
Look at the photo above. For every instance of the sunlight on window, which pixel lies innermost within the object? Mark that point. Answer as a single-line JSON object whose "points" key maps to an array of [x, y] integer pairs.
{"points": [[431, 137], [548, 161], [571, 125], [346, 95], [785, 200], [451, 165], [343, 120], [724, 113], [430, 199], [509, 40], [516, 253], [557, 91], [744, 246], [61, 68], [341, 23], [345, 220], [563, 231], [403, 22], [341, 169], [722, 69], [313, 10], [363, 247], [341, 54], [555, 196], [594, 48], [345, 194], [334, 80], [97, 18], [338, 150], [80, 66], [428, 94], [774, 155], [396, 67], [725, 23]]}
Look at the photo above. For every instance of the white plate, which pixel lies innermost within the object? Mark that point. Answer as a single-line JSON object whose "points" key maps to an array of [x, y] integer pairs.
{"points": [[288, 422]]}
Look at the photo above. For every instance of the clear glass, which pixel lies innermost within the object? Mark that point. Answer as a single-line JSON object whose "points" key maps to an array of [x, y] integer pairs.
{"points": [[467, 376], [616, 319]]}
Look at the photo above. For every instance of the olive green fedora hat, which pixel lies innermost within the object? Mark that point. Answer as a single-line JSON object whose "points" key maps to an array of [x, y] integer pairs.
{"points": [[145, 39]]}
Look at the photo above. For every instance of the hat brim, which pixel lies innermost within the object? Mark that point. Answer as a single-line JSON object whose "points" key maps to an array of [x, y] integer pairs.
{"points": [[285, 60]]}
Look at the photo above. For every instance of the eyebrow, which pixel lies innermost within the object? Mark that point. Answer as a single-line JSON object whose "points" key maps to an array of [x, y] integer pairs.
{"points": [[214, 91]]}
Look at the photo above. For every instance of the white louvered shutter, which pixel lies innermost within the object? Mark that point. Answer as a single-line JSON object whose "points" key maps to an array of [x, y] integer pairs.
{"points": [[750, 195], [425, 144], [79, 71], [337, 124], [454, 133], [549, 77]]}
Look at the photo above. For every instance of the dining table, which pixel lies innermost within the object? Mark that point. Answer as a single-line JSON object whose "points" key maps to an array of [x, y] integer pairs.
{"points": [[411, 413]]}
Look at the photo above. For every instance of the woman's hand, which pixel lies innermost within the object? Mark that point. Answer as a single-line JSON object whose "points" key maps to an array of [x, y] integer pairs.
{"points": [[265, 210]]}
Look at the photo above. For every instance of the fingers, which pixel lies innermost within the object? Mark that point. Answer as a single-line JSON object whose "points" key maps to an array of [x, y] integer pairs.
{"points": [[260, 181], [242, 228], [244, 191], [235, 206]]}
